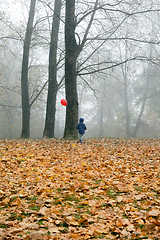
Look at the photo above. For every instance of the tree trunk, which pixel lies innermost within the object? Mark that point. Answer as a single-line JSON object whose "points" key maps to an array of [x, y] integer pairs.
{"points": [[126, 105], [144, 98], [142, 108], [70, 72], [101, 118], [24, 75], [72, 52], [52, 82]]}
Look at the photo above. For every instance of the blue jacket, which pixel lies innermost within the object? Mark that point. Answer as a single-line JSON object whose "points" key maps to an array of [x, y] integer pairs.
{"points": [[81, 126]]}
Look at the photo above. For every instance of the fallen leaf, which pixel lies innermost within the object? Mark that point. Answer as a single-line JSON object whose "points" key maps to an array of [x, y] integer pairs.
{"points": [[130, 228], [125, 233], [154, 213], [45, 211], [120, 199], [150, 226], [62, 190], [53, 230], [32, 226], [35, 236]]}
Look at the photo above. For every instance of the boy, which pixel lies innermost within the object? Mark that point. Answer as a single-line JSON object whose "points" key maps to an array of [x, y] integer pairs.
{"points": [[81, 129]]}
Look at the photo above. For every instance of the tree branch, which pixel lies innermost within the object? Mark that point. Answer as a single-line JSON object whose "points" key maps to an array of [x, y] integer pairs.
{"points": [[123, 38], [112, 66], [38, 94]]}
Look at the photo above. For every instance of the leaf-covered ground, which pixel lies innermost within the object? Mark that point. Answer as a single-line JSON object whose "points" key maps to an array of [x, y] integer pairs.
{"points": [[101, 189]]}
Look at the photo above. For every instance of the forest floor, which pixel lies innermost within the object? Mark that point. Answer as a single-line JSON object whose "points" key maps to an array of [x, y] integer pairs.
{"points": [[59, 189]]}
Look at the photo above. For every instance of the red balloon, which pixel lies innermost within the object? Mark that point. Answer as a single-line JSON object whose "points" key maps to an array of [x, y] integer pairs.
{"points": [[64, 102]]}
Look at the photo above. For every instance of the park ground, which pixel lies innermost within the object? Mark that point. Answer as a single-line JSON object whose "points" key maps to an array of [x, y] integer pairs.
{"points": [[61, 189]]}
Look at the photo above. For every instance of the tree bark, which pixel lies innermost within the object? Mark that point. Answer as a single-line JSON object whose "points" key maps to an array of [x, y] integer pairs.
{"points": [[72, 52], [24, 74], [52, 81], [70, 72]]}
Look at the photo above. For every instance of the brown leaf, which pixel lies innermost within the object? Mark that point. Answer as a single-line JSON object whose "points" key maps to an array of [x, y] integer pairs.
{"points": [[120, 199], [32, 226], [6, 200], [71, 221], [53, 230], [125, 233], [103, 187], [83, 221], [125, 221], [157, 222], [45, 211], [16, 230], [150, 227], [154, 213], [130, 228], [35, 236]]}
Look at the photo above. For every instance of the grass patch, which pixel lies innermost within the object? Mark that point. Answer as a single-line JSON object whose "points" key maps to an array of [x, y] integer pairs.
{"points": [[3, 225], [34, 208], [71, 198]]}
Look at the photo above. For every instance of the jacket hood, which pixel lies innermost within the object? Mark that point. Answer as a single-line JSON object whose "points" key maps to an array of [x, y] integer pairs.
{"points": [[81, 119]]}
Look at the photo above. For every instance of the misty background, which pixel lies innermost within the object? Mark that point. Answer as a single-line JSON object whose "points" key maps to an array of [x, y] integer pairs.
{"points": [[118, 71]]}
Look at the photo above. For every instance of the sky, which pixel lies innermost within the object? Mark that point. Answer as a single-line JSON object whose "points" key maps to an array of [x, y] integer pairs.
{"points": [[14, 9]]}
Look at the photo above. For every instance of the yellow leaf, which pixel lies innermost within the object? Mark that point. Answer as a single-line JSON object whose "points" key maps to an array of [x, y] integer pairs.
{"points": [[18, 201], [140, 221], [6, 200]]}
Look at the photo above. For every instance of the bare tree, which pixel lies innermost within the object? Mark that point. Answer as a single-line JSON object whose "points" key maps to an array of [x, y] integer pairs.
{"points": [[24, 74], [70, 71], [72, 52], [52, 81], [138, 122]]}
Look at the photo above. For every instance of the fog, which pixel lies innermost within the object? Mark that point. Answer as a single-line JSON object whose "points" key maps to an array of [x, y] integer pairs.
{"points": [[117, 72]]}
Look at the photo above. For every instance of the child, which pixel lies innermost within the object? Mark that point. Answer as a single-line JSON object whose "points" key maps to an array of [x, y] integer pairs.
{"points": [[81, 129]]}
